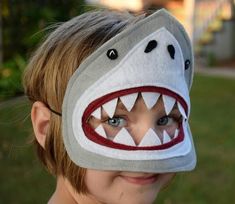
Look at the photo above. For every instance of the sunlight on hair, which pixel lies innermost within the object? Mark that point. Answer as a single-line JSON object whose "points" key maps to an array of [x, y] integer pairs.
{"points": [[133, 5]]}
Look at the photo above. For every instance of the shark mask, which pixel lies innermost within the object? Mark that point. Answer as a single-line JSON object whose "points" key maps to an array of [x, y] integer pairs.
{"points": [[152, 59]]}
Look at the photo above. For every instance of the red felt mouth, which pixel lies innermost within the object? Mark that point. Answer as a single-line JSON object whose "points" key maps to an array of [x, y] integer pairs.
{"points": [[92, 135]]}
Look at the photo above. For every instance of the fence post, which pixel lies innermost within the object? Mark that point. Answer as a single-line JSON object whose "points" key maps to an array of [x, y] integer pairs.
{"points": [[232, 9], [189, 7]]}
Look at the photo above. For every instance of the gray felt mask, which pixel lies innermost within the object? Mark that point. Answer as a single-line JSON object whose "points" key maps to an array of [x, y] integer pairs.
{"points": [[152, 59]]}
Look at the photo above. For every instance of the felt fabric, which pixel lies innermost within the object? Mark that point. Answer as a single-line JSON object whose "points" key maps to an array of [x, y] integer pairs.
{"points": [[155, 52]]}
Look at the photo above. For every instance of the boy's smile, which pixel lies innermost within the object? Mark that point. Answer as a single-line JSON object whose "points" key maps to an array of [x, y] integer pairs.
{"points": [[147, 179], [142, 120], [111, 116]]}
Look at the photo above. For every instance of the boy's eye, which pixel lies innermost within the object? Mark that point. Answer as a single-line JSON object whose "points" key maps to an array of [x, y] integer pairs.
{"points": [[116, 122], [166, 120]]}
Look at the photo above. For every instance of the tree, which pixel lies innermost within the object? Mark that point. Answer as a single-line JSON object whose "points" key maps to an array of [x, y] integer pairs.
{"points": [[26, 19], [24, 23]]}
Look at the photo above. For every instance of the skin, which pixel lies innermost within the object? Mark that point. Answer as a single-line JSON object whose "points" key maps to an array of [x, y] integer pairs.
{"points": [[114, 187]]}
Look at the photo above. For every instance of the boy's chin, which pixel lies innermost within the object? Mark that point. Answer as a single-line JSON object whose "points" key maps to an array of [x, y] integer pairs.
{"points": [[140, 196]]}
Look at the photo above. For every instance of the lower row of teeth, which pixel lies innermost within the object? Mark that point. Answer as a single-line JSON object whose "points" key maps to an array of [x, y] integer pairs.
{"points": [[150, 138]]}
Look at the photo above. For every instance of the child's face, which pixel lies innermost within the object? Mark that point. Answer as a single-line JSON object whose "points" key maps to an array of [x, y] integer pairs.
{"points": [[132, 187]]}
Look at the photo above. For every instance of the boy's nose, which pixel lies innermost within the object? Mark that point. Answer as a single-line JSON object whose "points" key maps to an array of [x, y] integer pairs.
{"points": [[141, 127], [143, 121]]}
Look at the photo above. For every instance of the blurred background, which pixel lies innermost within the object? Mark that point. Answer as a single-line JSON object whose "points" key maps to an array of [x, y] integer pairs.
{"points": [[211, 27]]}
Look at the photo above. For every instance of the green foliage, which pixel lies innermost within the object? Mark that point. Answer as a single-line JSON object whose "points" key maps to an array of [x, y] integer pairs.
{"points": [[23, 179], [10, 77], [23, 18], [25, 22], [212, 124]]}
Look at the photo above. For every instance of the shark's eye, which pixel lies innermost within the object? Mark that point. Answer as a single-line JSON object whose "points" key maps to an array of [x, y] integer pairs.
{"points": [[187, 64], [112, 54]]}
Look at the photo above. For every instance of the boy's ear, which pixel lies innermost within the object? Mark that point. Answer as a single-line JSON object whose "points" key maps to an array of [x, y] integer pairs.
{"points": [[40, 116]]}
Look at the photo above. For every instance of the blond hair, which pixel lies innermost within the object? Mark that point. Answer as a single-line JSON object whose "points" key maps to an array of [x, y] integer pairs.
{"points": [[49, 70]]}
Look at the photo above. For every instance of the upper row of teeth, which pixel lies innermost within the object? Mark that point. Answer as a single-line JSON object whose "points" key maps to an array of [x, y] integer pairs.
{"points": [[150, 99], [150, 138]]}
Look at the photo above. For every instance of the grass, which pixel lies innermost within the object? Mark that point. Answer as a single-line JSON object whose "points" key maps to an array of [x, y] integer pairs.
{"points": [[213, 127], [22, 179]]}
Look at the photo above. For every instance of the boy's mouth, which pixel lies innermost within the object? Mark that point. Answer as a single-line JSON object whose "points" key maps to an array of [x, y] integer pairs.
{"points": [[123, 140], [141, 180]]}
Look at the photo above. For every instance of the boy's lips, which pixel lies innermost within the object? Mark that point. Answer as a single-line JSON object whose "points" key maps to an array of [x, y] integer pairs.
{"points": [[141, 180], [123, 140]]}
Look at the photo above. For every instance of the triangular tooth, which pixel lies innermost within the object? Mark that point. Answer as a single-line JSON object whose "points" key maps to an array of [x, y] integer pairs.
{"points": [[181, 109], [150, 98], [100, 131], [123, 137], [110, 107], [129, 100], [150, 139], [169, 102], [97, 113], [176, 133], [166, 137]]}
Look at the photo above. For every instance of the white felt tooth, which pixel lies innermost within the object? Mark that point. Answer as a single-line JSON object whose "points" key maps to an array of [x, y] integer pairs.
{"points": [[100, 131], [150, 98], [129, 100], [181, 109], [150, 139], [110, 107], [176, 133], [185, 124], [123, 137], [166, 137], [97, 113], [169, 102]]}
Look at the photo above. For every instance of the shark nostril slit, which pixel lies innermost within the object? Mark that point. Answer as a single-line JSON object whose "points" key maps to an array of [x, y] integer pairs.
{"points": [[171, 50], [151, 45]]}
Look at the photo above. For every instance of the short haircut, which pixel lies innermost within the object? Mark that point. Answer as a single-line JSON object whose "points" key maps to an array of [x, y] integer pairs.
{"points": [[49, 70]]}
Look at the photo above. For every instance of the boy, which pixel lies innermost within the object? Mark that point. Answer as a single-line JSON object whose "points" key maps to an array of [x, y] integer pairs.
{"points": [[110, 95]]}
